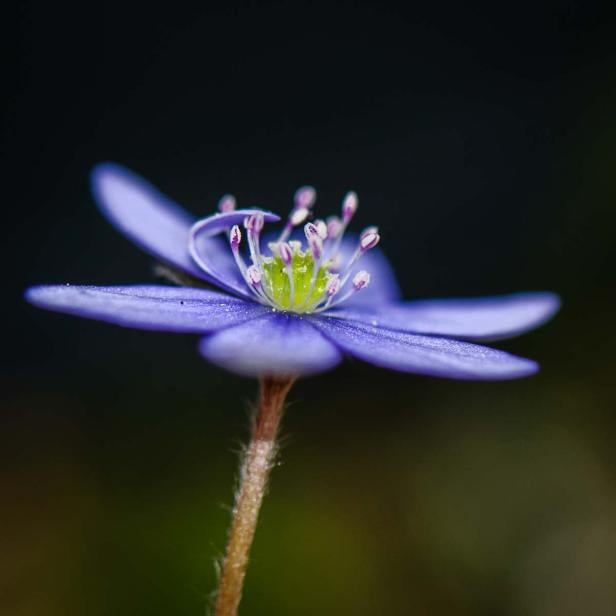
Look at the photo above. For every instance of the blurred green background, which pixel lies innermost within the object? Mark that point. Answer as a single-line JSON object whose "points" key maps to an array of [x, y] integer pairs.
{"points": [[481, 139]]}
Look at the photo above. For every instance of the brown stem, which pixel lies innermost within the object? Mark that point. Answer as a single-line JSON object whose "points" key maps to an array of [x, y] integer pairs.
{"points": [[255, 470]]}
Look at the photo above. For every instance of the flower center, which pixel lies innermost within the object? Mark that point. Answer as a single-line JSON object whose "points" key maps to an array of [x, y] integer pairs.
{"points": [[300, 276]]}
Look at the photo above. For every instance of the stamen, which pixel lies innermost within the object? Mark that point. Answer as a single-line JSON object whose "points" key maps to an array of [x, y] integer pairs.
{"points": [[254, 279], [297, 217], [316, 247], [367, 240], [331, 289], [349, 206], [286, 254], [304, 197], [361, 280], [321, 229], [334, 226], [303, 200], [251, 274], [254, 276], [310, 231], [235, 238], [334, 263], [368, 230], [254, 223], [226, 204], [333, 286]]}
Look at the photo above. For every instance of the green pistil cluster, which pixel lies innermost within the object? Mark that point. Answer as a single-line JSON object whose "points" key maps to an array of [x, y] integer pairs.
{"points": [[307, 292]]}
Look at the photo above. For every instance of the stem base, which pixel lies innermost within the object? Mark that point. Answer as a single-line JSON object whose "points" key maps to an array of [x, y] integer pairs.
{"points": [[256, 466]]}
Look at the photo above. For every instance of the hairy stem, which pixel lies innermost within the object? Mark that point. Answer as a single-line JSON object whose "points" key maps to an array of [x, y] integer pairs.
{"points": [[256, 466]]}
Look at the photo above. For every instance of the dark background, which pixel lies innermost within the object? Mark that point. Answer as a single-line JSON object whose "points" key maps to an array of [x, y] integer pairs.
{"points": [[481, 139]]}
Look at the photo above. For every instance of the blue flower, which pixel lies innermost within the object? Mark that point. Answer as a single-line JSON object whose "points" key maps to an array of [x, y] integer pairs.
{"points": [[288, 306]]}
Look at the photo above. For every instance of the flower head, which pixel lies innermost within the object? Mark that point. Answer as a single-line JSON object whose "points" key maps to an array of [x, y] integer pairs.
{"points": [[295, 302]]}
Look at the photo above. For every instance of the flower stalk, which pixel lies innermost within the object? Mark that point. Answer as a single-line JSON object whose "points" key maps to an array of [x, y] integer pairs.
{"points": [[257, 463]]}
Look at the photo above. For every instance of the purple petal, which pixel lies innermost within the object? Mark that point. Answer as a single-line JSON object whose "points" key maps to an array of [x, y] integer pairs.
{"points": [[275, 345], [151, 220], [173, 309], [429, 355], [486, 318], [223, 270], [142, 213], [383, 286]]}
